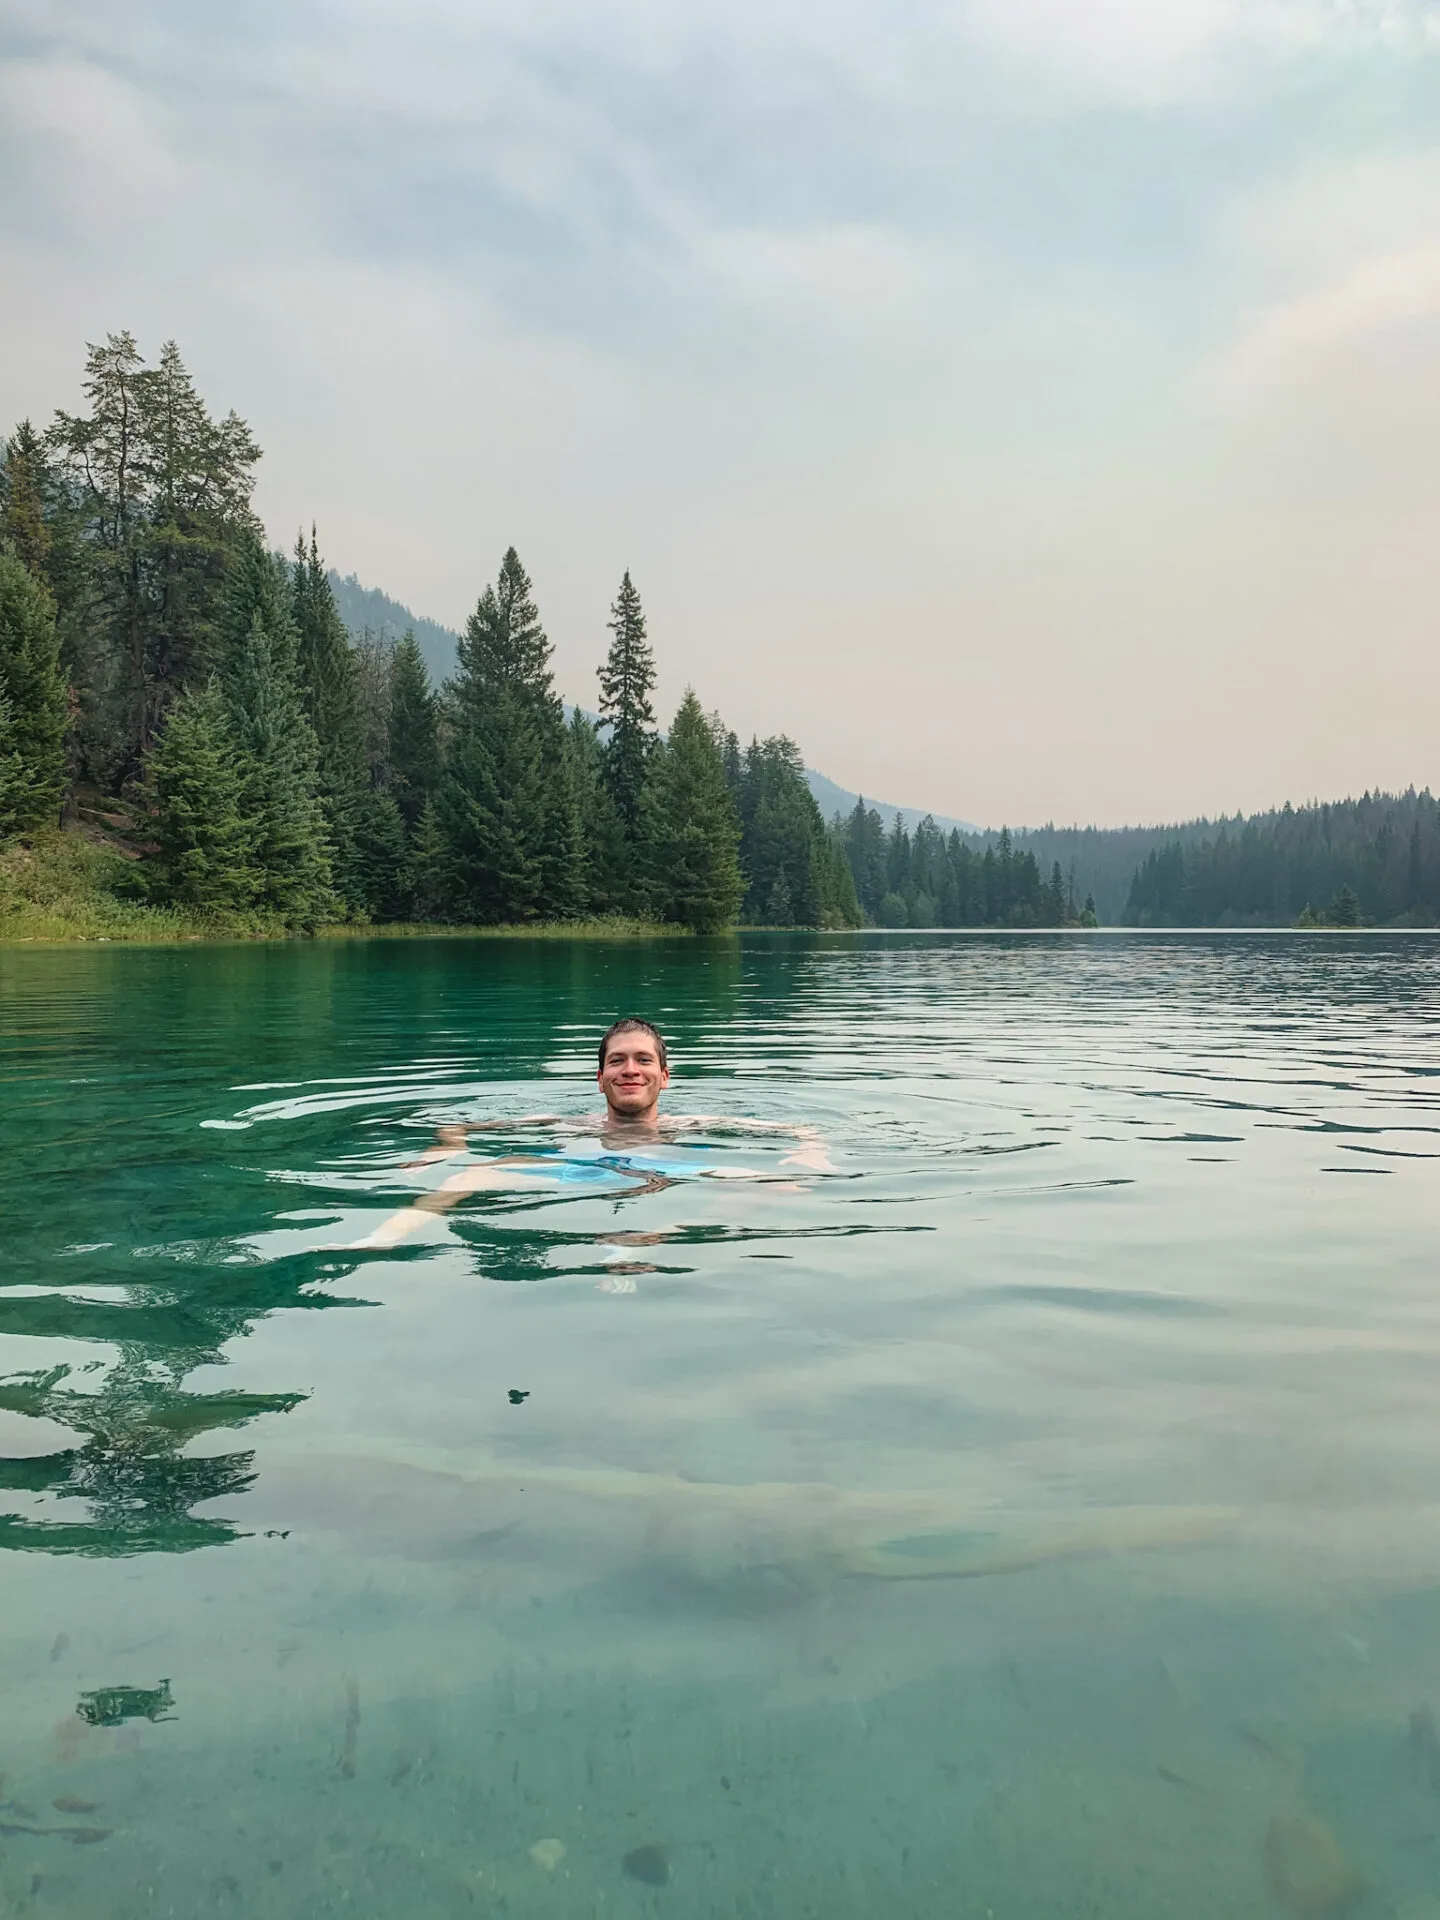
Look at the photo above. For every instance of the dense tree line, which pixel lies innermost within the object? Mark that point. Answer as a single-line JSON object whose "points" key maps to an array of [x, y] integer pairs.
{"points": [[1375, 860], [154, 653], [931, 879]]}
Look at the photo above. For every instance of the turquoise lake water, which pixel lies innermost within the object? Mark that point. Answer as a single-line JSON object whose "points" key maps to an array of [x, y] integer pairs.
{"points": [[1037, 1515]]}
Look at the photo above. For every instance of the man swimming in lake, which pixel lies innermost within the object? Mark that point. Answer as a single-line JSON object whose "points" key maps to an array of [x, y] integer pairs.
{"points": [[634, 1070]]}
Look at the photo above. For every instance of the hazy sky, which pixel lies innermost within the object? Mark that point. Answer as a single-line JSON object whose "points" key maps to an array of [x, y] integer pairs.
{"points": [[1031, 405]]}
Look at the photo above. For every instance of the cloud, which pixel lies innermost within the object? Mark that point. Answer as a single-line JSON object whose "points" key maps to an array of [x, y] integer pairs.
{"points": [[1339, 263], [68, 123], [1153, 52], [1363, 310]]}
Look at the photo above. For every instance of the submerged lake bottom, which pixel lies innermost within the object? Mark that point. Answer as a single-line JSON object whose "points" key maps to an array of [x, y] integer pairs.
{"points": [[1032, 1513]]}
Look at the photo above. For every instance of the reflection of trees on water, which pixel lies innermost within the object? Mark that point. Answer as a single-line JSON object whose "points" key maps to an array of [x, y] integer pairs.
{"points": [[131, 1466], [131, 1471]]}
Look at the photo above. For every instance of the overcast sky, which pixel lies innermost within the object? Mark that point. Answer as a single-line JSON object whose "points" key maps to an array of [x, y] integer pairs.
{"points": [[1033, 406]]}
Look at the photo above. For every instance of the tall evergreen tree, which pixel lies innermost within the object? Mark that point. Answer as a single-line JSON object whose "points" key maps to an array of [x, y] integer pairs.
{"points": [[507, 807], [627, 680], [196, 479], [616, 877], [785, 852], [196, 788], [24, 523], [163, 495], [104, 457], [12, 774], [693, 831], [381, 854], [413, 732], [373, 656], [864, 836], [327, 679], [835, 884], [277, 744], [429, 867], [33, 683]]}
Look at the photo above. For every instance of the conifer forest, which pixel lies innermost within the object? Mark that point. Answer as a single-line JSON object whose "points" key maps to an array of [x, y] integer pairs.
{"points": [[189, 709]]}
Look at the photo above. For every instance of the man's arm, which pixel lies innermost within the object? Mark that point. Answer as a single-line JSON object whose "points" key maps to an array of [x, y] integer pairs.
{"points": [[811, 1153], [450, 1139]]}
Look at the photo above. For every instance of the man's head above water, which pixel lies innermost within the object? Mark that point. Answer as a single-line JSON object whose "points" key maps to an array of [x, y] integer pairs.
{"points": [[634, 1071]]}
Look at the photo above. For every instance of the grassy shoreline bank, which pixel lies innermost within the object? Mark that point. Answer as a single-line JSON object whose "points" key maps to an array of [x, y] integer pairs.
{"points": [[60, 889]]}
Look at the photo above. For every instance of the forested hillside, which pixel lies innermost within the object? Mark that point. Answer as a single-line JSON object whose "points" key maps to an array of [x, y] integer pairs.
{"points": [[371, 615], [174, 690], [1375, 860]]}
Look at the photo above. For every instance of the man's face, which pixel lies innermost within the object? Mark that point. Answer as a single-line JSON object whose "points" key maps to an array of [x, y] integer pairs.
{"points": [[632, 1078]]}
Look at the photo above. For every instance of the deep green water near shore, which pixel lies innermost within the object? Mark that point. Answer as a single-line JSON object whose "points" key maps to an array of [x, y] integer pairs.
{"points": [[1021, 1520]]}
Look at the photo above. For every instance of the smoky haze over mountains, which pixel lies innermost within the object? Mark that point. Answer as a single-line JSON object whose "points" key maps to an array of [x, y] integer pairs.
{"points": [[1095, 861], [369, 610], [1033, 401]]}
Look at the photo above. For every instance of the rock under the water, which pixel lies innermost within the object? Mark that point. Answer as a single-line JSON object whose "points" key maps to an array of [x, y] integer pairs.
{"points": [[1306, 1867], [650, 1864]]}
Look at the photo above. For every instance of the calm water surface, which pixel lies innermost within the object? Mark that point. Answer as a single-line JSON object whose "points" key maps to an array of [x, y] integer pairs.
{"points": [[1040, 1515]]}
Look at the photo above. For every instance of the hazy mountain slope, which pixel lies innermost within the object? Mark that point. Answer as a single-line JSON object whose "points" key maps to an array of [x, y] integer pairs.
{"points": [[1103, 860], [832, 799], [367, 608]]}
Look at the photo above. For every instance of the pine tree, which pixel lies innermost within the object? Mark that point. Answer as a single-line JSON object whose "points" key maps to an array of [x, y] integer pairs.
{"points": [[373, 656], [162, 496], [692, 830], [382, 856], [429, 867], [615, 876], [103, 454], [327, 680], [627, 680], [835, 884], [784, 850], [507, 808], [865, 851], [24, 527], [1344, 909], [196, 483], [277, 745], [12, 776], [34, 685], [325, 659], [196, 789], [1055, 898], [414, 736]]}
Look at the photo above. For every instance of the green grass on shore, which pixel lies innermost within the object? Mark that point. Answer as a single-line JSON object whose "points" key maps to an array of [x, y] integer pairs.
{"points": [[69, 887]]}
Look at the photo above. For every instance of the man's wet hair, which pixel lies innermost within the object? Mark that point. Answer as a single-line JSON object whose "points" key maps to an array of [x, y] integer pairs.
{"points": [[634, 1026]]}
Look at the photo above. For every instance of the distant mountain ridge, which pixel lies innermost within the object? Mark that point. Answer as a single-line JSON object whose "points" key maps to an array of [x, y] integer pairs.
{"points": [[832, 799], [368, 610]]}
